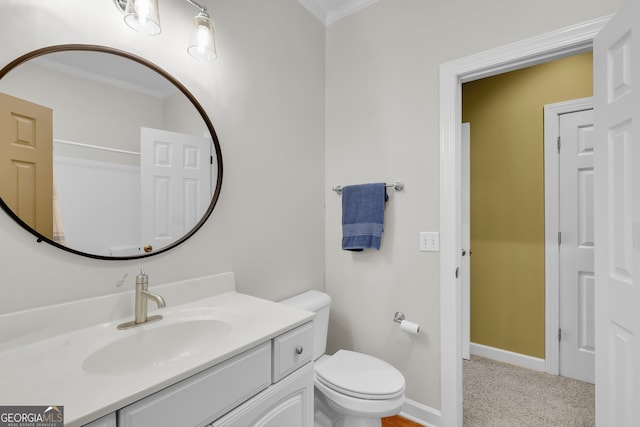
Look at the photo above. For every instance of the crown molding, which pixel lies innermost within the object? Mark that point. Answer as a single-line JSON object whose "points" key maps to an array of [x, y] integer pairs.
{"points": [[320, 9]]}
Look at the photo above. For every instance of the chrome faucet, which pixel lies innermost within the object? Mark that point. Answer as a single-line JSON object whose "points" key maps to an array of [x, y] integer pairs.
{"points": [[142, 296]]}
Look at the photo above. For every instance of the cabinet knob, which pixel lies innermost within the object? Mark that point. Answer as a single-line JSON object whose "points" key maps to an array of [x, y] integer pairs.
{"points": [[299, 349]]}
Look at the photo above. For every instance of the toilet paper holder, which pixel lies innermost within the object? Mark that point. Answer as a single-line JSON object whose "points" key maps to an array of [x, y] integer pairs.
{"points": [[398, 317], [406, 326]]}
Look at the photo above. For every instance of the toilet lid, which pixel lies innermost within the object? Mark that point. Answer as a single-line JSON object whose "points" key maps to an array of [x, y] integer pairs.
{"points": [[360, 375]]}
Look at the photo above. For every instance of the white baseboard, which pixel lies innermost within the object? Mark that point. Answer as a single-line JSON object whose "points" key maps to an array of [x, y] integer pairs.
{"points": [[510, 357], [419, 413]]}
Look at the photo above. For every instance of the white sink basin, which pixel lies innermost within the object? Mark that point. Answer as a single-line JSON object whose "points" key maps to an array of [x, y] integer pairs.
{"points": [[151, 346]]}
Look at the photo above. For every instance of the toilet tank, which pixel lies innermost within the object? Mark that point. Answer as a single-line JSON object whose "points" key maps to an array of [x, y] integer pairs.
{"points": [[320, 304]]}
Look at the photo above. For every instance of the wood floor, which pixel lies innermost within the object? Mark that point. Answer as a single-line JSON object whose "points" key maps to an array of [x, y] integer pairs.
{"points": [[398, 421]]}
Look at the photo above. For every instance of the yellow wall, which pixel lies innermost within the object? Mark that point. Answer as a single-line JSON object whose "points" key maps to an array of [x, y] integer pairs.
{"points": [[507, 198]]}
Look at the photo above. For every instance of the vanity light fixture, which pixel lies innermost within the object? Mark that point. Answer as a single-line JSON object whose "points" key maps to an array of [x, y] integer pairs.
{"points": [[143, 16]]}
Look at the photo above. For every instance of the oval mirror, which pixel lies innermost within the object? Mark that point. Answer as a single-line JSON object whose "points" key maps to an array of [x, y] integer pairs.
{"points": [[104, 154]]}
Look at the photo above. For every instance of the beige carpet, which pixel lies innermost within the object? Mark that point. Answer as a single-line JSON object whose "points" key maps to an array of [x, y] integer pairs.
{"points": [[501, 395]]}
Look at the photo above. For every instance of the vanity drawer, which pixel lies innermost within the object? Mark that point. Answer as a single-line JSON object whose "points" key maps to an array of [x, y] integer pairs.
{"points": [[292, 350], [205, 396]]}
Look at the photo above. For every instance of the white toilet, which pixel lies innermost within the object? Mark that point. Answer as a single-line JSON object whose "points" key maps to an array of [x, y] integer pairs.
{"points": [[351, 389]]}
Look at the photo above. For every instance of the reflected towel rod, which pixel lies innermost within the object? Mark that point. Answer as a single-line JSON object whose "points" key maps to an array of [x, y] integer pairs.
{"points": [[398, 186]]}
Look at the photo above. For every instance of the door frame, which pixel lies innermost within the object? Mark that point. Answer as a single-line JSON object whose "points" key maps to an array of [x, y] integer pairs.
{"points": [[564, 42], [552, 113], [465, 237]]}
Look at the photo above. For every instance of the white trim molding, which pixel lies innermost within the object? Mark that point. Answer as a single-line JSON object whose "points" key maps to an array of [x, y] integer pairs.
{"points": [[554, 45], [329, 16], [506, 356], [347, 9], [315, 9], [419, 413]]}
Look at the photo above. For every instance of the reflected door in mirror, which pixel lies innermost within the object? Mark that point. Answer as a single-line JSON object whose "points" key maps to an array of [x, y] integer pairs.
{"points": [[26, 168], [175, 184]]}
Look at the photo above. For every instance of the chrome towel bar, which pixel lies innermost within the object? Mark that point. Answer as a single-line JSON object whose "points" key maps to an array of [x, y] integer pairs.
{"points": [[398, 186]]}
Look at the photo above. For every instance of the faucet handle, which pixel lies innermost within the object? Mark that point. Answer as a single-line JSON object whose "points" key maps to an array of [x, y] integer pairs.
{"points": [[142, 278]]}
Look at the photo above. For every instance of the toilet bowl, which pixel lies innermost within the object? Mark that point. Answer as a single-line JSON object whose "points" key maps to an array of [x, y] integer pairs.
{"points": [[351, 389]]}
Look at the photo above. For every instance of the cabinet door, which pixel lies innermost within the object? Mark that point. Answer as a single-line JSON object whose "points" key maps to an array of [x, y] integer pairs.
{"points": [[286, 403], [106, 421]]}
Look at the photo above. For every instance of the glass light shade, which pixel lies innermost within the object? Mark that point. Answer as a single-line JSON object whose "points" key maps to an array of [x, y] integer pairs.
{"points": [[203, 42], [143, 16]]}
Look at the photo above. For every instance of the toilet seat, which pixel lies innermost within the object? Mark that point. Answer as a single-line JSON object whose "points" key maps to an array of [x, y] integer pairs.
{"points": [[361, 376]]}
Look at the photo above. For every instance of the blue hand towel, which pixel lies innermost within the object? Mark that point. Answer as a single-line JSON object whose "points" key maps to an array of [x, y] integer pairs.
{"points": [[363, 216]]}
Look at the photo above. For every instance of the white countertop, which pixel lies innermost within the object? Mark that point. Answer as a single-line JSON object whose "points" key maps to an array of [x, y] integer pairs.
{"points": [[48, 370]]}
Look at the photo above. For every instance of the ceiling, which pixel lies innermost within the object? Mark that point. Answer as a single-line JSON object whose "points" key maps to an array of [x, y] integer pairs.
{"points": [[330, 11]]}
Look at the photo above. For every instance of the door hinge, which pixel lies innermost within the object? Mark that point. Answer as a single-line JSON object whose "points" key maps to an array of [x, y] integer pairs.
{"points": [[210, 160], [457, 272], [559, 334], [559, 238], [559, 144]]}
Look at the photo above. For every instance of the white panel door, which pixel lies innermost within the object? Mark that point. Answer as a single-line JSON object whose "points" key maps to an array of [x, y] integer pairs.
{"points": [[617, 219], [577, 278], [465, 237], [175, 184]]}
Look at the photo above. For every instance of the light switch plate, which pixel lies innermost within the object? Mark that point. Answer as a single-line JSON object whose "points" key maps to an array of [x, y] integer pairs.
{"points": [[429, 241]]}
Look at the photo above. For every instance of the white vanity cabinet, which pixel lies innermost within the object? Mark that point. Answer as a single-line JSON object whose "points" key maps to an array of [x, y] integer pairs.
{"points": [[289, 401], [269, 385]]}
